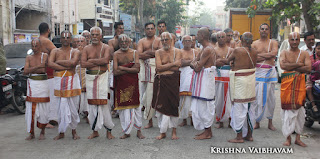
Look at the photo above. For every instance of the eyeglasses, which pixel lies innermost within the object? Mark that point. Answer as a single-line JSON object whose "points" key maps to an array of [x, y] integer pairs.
{"points": [[165, 39], [220, 37], [264, 28]]}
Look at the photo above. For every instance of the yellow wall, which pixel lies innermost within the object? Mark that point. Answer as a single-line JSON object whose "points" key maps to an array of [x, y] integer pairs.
{"points": [[241, 23]]}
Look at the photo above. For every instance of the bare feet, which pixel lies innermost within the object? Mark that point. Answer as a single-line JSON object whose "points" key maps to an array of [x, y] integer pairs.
{"points": [[220, 125], [161, 136], [288, 141], [109, 135], [200, 134], [75, 137], [174, 134], [41, 137], [60, 136], [257, 125], [271, 127], [139, 135], [248, 138], [300, 143], [183, 123], [94, 135], [30, 137], [203, 136], [236, 140], [125, 136], [49, 126], [149, 126]]}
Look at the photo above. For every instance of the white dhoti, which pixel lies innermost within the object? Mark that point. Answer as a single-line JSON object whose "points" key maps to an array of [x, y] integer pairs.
{"points": [[67, 89], [203, 95], [53, 113], [185, 92], [146, 78], [165, 122], [242, 91], [130, 118], [292, 120], [99, 108], [110, 79], [83, 106], [242, 118], [266, 77], [37, 102], [223, 100]]}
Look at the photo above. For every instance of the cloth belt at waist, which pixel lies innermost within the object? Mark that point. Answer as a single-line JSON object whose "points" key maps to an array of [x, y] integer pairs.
{"points": [[39, 77], [95, 72]]}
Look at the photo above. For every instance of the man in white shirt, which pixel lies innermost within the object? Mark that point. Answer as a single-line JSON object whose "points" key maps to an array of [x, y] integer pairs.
{"points": [[309, 39]]}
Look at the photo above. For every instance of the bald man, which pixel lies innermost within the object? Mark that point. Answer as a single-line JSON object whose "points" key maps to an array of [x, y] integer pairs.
{"points": [[95, 57], [66, 85], [242, 89], [295, 63], [187, 56], [266, 77], [125, 69], [37, 102], [166, 87], [146, 49], [203, 89], [223, 102]]}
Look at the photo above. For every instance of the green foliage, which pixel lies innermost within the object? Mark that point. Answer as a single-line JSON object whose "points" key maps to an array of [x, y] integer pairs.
{"points": [[131, 7], [237, 4], [172, 14]]}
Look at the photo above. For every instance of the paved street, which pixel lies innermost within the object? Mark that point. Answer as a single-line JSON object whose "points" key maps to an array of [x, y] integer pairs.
{"points": [[13, 145]]}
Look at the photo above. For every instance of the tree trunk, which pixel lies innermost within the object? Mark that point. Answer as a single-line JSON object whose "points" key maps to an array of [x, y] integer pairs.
{"points": [[306, 6], [140, 16]]}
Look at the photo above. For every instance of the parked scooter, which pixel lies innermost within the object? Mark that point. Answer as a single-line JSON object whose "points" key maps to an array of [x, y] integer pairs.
{"points": [[311, 116]]}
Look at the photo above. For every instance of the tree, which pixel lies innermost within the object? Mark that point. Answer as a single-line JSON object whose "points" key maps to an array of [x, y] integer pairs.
{"points": [[237, 4]]}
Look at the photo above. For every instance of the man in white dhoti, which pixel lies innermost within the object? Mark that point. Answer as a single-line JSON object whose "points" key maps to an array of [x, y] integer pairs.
{"points": [[125, 69], [188, 55], [242, 89], [203, 86], [166, 87], [266, 77], [66, 85], [223, 102], [95, 57], [295, 63], [37, 102], [146, 49]]}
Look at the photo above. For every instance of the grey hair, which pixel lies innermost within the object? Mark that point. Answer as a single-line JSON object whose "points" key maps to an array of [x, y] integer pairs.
{"points": [[94, 28], [228, 30], [185, 37], [121, 36], [85, 31], [162, 34]]}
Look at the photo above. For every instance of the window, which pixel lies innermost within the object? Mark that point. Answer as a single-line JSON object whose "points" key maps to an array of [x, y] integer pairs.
{"points": [[66, 27], [57, 29], [106, 2]]}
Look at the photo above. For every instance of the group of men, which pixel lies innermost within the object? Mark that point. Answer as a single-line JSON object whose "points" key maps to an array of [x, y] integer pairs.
{"points": [[231, 80]]}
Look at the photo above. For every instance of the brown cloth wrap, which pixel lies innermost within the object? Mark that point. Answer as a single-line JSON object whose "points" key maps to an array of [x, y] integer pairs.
{"points": [[126, 90], [166, 94]]}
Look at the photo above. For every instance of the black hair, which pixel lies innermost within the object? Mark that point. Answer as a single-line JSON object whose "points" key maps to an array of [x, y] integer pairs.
{"points": [[309, 33], [149, 24], [162, 22], [43, 27], [192, 35], [66, 31], [264, 24], [213, 37], [116, 24], [228, 30]]}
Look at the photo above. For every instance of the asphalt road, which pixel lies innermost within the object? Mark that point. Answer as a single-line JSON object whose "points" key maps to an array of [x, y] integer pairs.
{"points": [[13, 146]]}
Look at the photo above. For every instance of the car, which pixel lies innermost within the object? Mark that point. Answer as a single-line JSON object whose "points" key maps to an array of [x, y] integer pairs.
{"points": [[16, 54], [285, 46]]}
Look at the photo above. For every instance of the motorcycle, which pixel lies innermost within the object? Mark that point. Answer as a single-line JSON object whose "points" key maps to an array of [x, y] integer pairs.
{"points": [[311, 116], [13, 89]]}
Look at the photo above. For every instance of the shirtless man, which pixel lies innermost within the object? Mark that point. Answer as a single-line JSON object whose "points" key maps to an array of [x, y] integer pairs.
{"points": [[223, 102], [95, 57], [146, 49], [87, 35], [188, 55], [229, 41], [213, 39], [236, 38], [167, 79], [194, 40], [126, 69], [38, 100], [114, 42], [242, 77], [202, 103], [295, 63], [64, 61], [162, 27], [266, 76], [46, 47]]}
